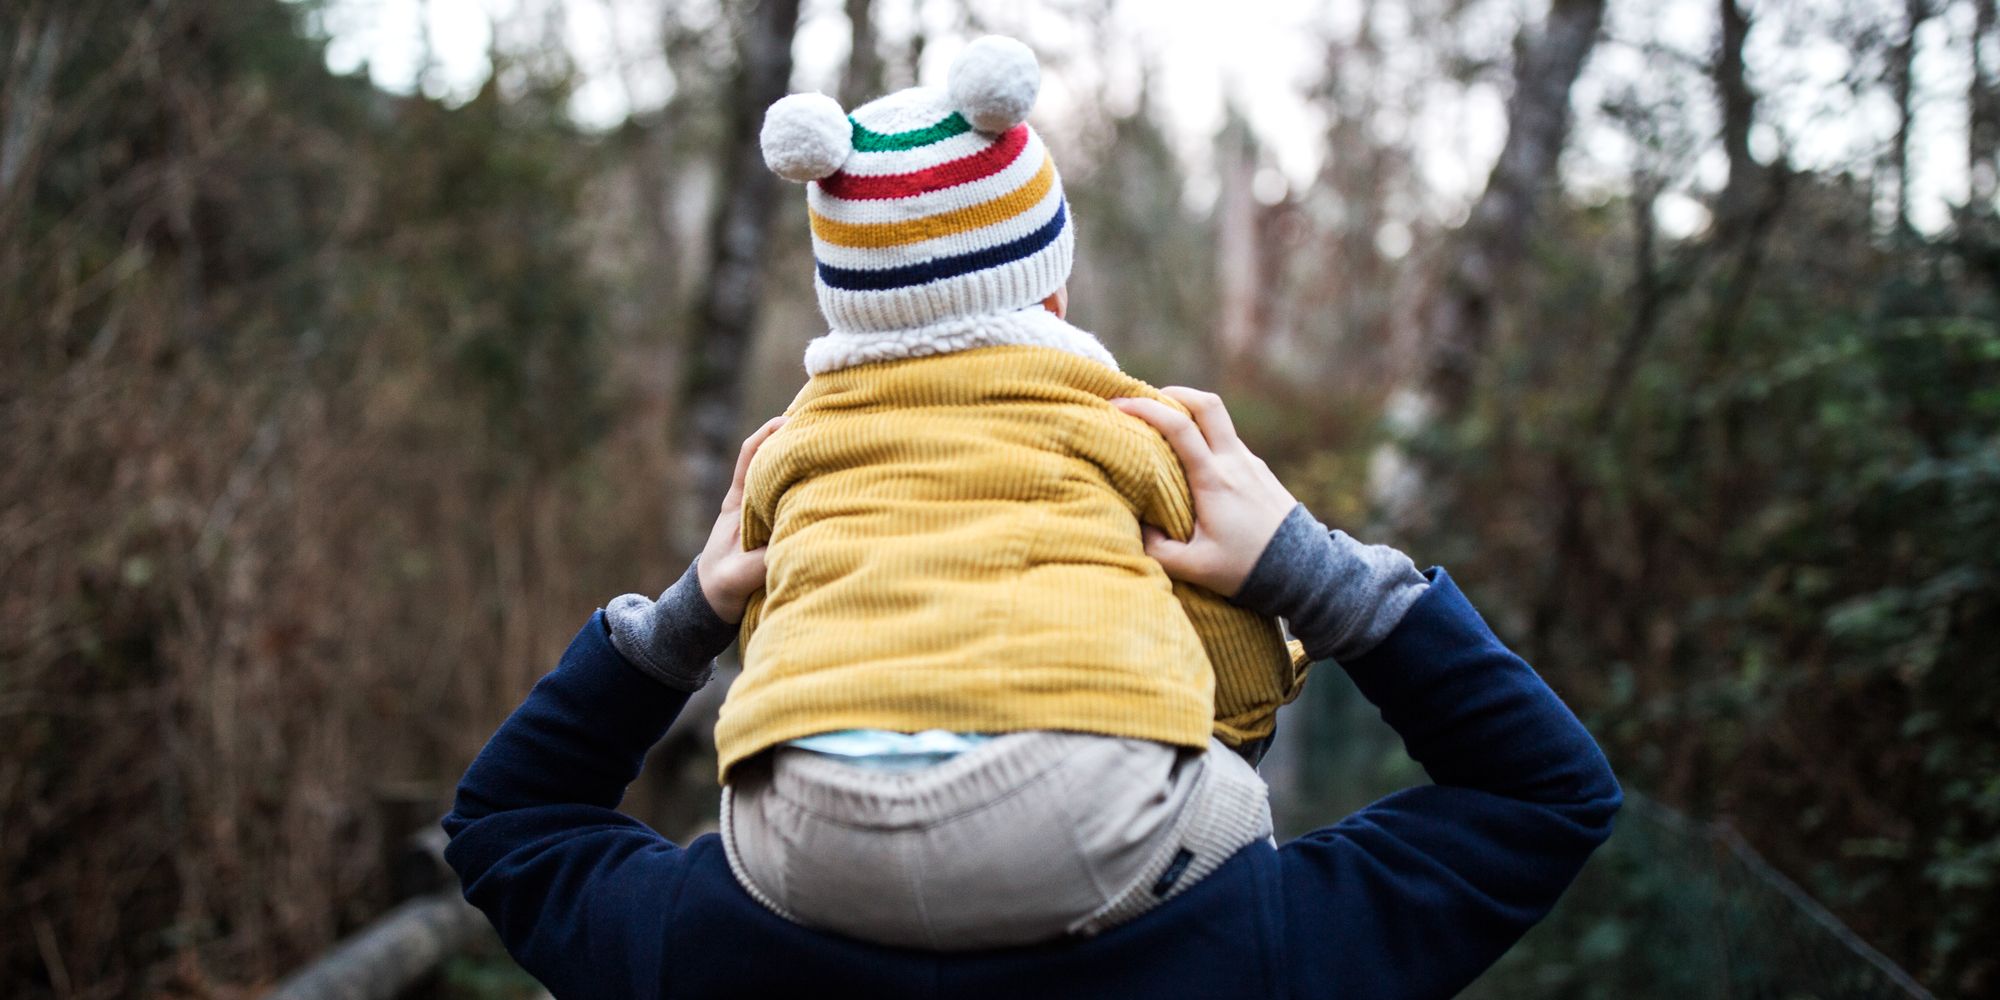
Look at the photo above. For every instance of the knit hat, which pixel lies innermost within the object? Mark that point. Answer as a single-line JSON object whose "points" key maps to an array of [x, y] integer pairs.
{"points": [[933, 212]]}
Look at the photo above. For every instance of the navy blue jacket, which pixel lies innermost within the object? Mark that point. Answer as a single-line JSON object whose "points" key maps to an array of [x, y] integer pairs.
{"points": [[1412, 896]]}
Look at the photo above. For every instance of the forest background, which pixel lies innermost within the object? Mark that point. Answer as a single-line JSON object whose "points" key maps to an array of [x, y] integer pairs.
{"points": [[329, 406]]}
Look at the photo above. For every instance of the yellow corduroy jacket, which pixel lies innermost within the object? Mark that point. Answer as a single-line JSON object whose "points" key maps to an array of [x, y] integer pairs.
{"points": [[954, 544]]}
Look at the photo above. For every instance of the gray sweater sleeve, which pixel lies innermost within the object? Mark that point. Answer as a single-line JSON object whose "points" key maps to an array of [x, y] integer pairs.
{"points": [[673, 640], [1339, 597]]}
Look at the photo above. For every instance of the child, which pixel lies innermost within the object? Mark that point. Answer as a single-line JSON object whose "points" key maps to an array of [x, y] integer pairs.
{"points": [[973, 712]]}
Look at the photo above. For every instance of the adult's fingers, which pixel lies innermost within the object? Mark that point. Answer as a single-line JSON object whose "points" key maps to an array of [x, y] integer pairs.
{"points": [[1180, 432], [1181, 560], [1209, 414], [1164, 549], [748, 452]]}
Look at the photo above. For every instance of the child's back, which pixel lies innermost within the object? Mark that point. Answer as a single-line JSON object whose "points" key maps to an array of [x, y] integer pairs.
{"points": [[953, 545], [952, 512]]}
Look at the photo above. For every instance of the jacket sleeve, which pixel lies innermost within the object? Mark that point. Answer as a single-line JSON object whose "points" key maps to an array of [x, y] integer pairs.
{"points": [[580, 893], [1255, 671], [1427, 887]]}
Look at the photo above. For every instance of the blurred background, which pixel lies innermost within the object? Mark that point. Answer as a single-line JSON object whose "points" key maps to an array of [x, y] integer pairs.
{"points": [[352, 351]]}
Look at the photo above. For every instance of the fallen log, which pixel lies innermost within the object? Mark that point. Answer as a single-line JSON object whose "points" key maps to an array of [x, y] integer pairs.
{"points": [[391, 955]]}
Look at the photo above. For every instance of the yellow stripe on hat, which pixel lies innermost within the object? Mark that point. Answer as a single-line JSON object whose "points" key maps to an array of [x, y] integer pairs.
{"points": [[875, 235]]}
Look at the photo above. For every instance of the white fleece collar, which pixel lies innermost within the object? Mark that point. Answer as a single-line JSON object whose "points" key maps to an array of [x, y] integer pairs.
{"points": [[1034, 326]]}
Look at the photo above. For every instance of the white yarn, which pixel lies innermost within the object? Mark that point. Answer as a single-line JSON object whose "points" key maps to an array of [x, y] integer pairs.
{"points": [[1009, 287], [806, 137], [993, 83], [902, 110], [1033, 326]]}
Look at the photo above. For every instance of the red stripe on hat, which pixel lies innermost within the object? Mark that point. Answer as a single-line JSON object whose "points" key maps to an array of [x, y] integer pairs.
{"points": [[964, 170]]}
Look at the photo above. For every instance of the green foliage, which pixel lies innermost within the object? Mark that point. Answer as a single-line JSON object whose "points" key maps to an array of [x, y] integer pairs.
{"points": [[490, 192], [1772, 575], [1673, 908]]}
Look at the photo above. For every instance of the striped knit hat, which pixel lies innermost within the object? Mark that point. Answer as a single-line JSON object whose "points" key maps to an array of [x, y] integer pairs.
{"points": [[930, 209]]}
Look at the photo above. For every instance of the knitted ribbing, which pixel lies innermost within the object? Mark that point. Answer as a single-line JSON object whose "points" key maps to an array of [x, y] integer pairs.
{"points": [[867, 141], [930, 220], [954, 544]]}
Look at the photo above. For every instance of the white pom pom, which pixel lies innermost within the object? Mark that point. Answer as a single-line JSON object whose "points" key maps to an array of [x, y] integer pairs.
{"points": [[806, 137], [993, 83]]}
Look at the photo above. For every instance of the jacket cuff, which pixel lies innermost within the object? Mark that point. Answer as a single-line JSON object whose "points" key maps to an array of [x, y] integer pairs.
{"points": [[1338, 596], [674, 639]]}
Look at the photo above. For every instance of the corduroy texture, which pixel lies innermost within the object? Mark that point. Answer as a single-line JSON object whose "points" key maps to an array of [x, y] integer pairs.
{"points": [[930, 220], [954, 544]]}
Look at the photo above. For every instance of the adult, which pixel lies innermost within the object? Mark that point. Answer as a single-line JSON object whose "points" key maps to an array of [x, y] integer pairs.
{"points": [[1412, 896]]}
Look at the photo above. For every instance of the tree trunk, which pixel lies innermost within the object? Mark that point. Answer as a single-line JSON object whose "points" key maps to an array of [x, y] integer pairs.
{"points": [[1238, 270], [1753, 195], [1983, 133], [711, 402], [1457, 328], [391, 955], [1739, 108], [1902, 59], [863, 80]]}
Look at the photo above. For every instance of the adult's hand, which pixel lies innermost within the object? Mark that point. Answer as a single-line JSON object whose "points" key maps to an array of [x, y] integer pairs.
{"points": [[728, 574], [1238, 502]]}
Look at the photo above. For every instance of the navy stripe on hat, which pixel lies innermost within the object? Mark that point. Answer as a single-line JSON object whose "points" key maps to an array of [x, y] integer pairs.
{"points": [[875, 280]]}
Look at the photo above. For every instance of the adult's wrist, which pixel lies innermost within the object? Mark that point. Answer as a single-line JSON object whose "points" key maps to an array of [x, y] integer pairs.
{"points": [[1339, 596], [674, 638]]}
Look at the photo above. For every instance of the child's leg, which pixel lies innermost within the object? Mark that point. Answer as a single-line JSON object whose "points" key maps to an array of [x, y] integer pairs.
{"points": [[1026, 838], [1227, 808]]}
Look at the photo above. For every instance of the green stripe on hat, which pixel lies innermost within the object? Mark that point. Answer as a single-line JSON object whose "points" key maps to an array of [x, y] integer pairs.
{"points": [[866, 141]]}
